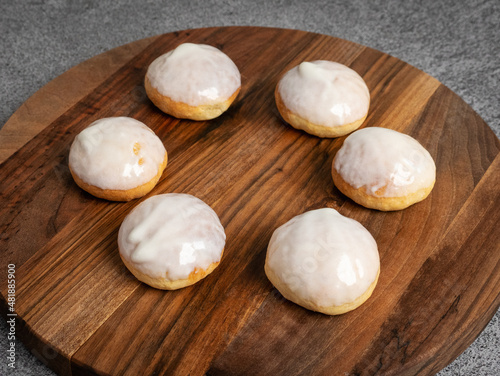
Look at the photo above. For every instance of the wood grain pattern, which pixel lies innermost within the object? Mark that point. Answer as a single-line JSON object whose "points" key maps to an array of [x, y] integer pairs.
{"points": [[60, 94], [83, 313]]}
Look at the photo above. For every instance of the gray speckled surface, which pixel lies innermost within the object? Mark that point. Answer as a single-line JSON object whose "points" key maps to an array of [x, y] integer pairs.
{"points": [[456, 42]]}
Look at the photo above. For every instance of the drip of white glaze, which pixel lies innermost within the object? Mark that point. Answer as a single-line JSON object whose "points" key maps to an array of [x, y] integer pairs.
{"points": [[170, 235], [325, 93]]}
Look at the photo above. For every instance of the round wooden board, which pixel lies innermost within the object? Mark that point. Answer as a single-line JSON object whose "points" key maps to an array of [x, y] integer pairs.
{"points": [[80, 310]]}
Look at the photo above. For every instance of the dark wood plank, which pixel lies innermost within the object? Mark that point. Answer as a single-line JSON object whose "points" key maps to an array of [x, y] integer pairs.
{"points": [[462, 270], [84, 313]]}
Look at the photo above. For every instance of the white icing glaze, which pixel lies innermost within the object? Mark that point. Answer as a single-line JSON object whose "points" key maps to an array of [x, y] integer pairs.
{"points": [[325, 93], [195, 74], [324, 257], [116, 153], [171, 235], [377, 157]]}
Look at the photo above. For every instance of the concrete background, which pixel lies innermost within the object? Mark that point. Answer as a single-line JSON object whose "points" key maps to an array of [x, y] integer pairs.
{"points": [[456, 42]]}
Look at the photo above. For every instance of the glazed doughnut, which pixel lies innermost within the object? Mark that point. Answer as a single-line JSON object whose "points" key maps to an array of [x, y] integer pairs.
{"points": [[172, 240], [117, 159], [323, 261], [383, 169], [193, 81], [323, 98]]}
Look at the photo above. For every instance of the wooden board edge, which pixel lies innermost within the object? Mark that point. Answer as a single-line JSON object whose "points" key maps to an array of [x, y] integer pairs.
{"points": [[48, 103]]}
